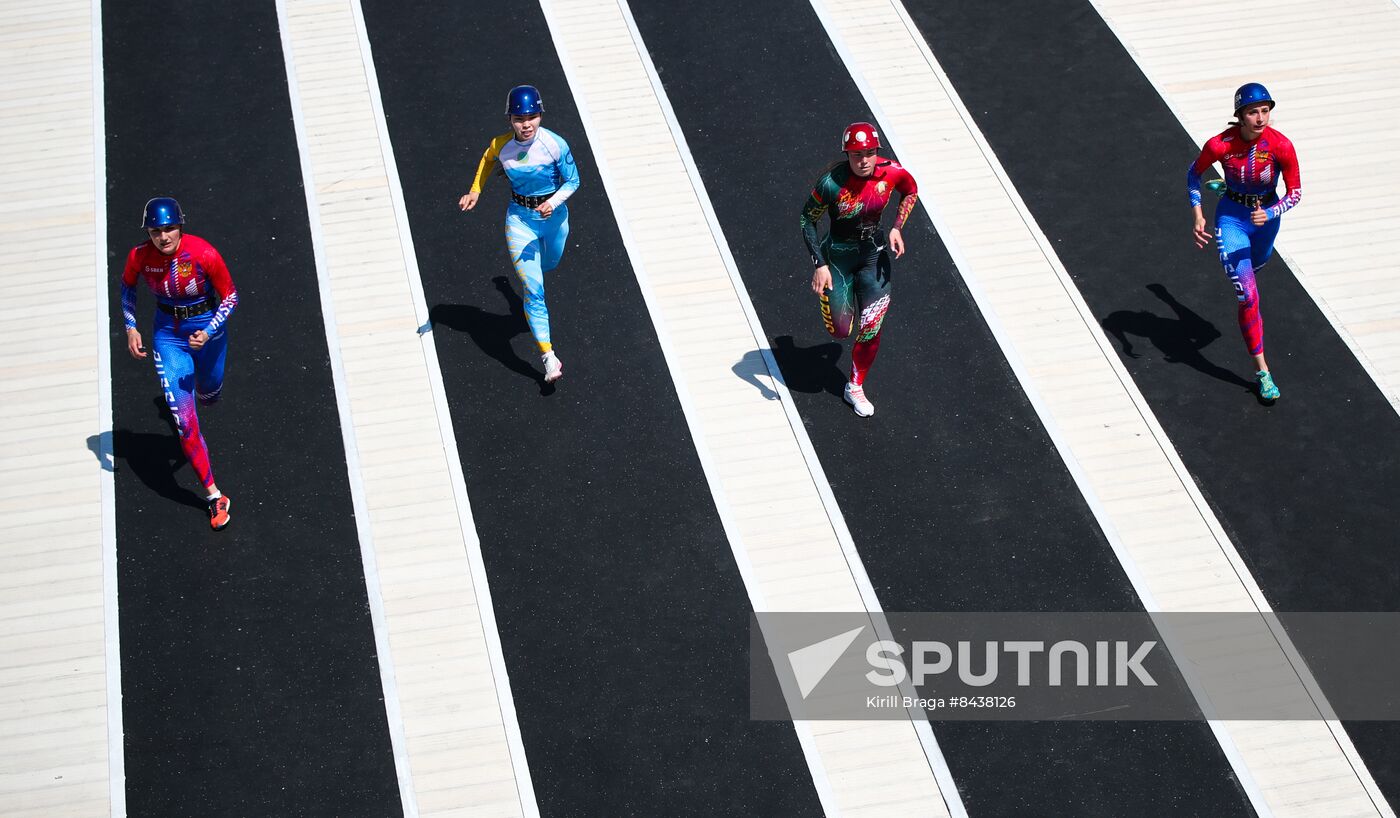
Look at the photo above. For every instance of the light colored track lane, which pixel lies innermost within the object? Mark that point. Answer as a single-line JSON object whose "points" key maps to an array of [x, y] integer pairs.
{"points": [[457, 744], [60, 679], [678, 253]]}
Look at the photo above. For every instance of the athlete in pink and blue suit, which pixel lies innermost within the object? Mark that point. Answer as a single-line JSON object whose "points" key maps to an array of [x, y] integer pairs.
{"points": [[1255, 157], [194, 298]]}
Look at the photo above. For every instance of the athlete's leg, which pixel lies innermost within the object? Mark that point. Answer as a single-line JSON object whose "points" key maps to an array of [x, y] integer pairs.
{"points": [[1261, 247], [176, 370], [209, 367], [838, 304], [1261, 243], [1232, 238], [555, 235], [523, 241], [873, 294]]}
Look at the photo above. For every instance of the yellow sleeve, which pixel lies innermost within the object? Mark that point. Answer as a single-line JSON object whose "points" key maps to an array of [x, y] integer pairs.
{"points": [[489, 161]]}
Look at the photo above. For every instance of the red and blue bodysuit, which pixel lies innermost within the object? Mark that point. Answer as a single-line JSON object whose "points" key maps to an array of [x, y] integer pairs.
{"points": [[1252, 173], [193, 292], [854, 251]]}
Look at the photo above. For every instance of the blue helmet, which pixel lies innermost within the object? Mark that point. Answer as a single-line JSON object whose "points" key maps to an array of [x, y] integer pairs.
{"points": [[1252, 93], [162, 211], [524, 100]]}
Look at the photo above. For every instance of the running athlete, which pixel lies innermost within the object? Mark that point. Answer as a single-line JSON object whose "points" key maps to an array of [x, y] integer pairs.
{"points": [[194, 298], [542, 175], [1255, 157], [853, 270]]}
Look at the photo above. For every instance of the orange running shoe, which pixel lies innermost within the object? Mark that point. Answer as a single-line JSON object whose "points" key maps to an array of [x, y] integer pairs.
{"points": [[218, 512]]}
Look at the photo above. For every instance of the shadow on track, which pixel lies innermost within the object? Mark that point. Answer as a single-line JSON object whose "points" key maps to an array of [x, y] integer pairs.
{"points": [[749, 369], [811, 369], [1179, 339], [155, 459], [492, 332], [101, 446]]}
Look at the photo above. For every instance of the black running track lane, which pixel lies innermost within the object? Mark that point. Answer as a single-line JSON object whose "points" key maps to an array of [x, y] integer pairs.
{"points": [[621, 611], [249, 677], [955, 496], [1305, 488]]}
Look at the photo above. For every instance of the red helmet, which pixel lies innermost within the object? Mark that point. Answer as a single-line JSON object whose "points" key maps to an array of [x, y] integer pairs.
{"points": [[860, 136]]}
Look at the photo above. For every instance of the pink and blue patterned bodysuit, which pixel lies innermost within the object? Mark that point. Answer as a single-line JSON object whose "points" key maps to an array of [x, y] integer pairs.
{"points": [[194, 276], [1251, 169]]}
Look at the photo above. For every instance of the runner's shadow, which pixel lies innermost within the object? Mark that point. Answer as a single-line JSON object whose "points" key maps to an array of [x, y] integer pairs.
{"points": [[154, 459], [492, 332], [1179, 339], [750, 369], [811, 369], [101, 448]]}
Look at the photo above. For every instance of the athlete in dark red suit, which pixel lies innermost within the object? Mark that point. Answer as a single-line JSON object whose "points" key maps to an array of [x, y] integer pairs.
{"points": [[852, 273], [194, 298]]}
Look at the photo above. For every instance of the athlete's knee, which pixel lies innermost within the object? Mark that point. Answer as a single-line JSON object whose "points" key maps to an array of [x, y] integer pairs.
{"points": [[531, 279], [872, 318], [556, 246], [1246, 292], [533, 298], [187, 423]]}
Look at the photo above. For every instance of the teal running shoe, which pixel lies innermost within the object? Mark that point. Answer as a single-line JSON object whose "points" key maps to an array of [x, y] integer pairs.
{"points": [[1267, 389], [1216, 186]]}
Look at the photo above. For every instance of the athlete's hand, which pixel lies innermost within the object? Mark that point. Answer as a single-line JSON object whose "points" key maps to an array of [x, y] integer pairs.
{"points": [[1258, 216], [468, 201], [134, 345], [1199, 231], [896, 241], [821, 279], [199, 339], [545, 209]]}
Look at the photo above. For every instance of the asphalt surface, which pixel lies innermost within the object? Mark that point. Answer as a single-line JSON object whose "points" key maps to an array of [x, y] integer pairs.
{"points": [[249, 674], [622, 614], [955, 496], [1305, 487], [249, 677]]}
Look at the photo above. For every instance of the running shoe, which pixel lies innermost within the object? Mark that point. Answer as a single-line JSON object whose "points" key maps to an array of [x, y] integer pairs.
{"points": [[1216, 186], [218, 511], [1267, 390], [553, 367], [855, 396]]}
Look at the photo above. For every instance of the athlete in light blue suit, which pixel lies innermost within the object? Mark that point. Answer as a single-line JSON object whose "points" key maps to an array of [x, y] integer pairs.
{"points": [[542, 175]]}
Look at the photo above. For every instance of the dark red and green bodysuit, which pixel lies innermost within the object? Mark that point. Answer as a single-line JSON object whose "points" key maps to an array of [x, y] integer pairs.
{"points": [[854, 250]]}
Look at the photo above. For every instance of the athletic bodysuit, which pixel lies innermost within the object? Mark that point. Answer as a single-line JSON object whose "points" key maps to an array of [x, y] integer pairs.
{"points": [[195, 276], [1251, 169], [544, 166], [854, 251]]}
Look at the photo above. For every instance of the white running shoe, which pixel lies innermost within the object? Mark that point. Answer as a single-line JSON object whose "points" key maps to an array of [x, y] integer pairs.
{"points": [[855, 396], [553, 367]]}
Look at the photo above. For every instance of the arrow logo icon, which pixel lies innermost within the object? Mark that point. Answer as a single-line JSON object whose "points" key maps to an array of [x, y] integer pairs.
{"points": [[811, 664]]}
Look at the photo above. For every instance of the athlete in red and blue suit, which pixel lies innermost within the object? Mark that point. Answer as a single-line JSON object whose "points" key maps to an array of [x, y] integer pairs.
{"points": [[1254, 157], [852, 273], [194, 298]]}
